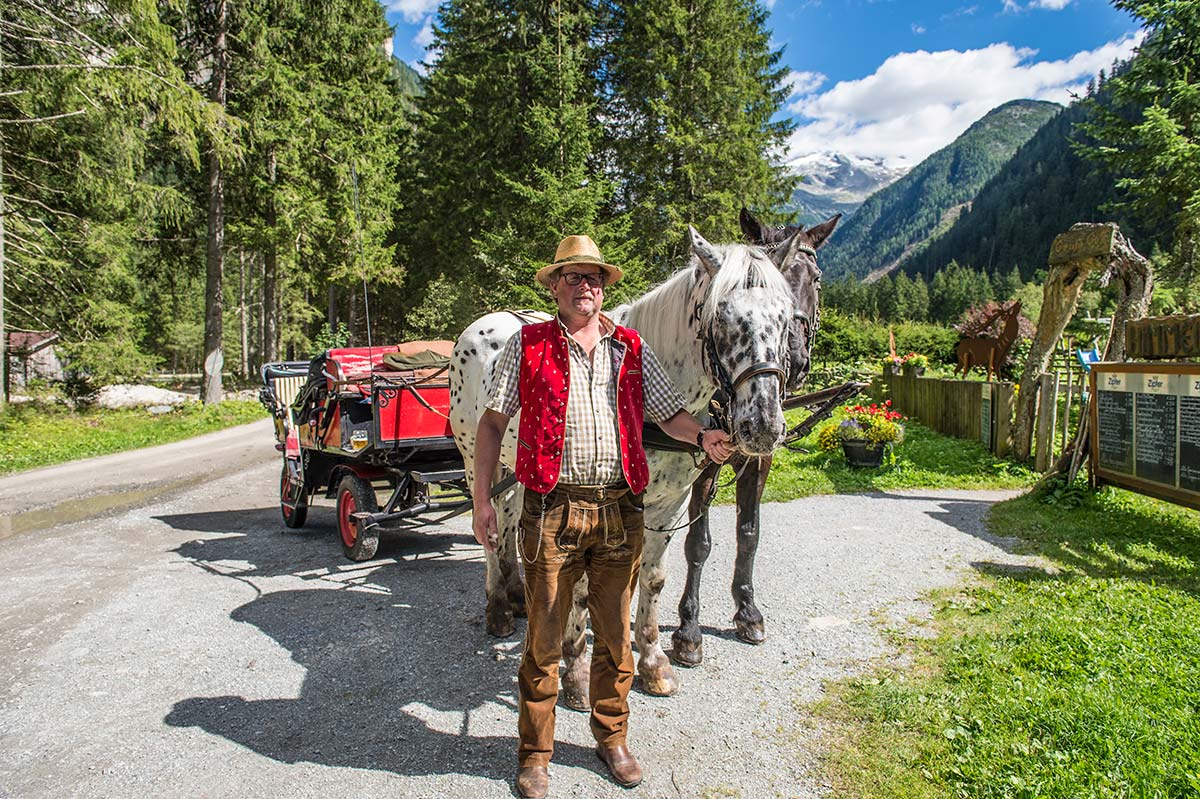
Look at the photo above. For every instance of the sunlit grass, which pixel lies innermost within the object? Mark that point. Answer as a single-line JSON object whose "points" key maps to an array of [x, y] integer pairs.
{"points": [[1078, 680], [924, 459], [39, 436]]}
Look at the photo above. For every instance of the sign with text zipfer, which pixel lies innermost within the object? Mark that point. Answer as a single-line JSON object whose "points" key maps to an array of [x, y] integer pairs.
{"points": [[1146, 429]]}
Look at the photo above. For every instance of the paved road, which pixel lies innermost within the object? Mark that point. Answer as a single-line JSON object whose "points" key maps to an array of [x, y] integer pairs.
{"points": [[195, 647]]}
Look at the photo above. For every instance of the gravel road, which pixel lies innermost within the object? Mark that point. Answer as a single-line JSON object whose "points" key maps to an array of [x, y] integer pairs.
{"points": [[194, 647]]}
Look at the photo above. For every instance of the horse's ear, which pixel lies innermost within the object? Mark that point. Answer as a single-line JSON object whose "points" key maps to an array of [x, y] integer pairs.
{"points": [[782, 251], [755, 232], [704, 251], [818, 233]]}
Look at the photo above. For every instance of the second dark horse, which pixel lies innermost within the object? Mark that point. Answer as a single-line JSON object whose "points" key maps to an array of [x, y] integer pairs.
{"points": [[804, 278]]}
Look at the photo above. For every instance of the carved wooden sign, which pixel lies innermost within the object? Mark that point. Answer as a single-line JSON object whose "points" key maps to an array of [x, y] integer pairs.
{"points": [[1163, 337]]}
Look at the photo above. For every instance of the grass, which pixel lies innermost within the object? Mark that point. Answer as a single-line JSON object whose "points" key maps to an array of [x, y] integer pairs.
{"points": [[40, 436], [1081, 680], [925, 459]]}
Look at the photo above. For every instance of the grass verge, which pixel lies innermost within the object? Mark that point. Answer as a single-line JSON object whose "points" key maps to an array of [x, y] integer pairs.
{"points": [[925, 459], [1082, 680], [41, 436]]}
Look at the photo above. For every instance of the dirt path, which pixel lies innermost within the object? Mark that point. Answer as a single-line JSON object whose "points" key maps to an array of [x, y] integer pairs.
{"points": [[193, 647], [93, 487]]}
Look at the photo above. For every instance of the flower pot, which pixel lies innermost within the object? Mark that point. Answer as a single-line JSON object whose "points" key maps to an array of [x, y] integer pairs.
{"points": [[914, 371], [862, 453], [891, 368]]}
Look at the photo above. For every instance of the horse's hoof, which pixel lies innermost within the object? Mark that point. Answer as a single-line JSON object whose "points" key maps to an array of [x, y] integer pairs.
{"points": [[575, 681], [574, 699], [663, 683], [518, 607], [500, 622], [686, 653], [750, 633]]}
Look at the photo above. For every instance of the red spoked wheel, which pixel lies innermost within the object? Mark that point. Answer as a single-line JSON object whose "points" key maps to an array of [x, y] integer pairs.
{"points": [[290, 492], [355, 495]]}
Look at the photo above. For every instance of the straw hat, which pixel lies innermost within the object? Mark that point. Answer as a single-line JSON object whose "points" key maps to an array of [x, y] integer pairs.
{"points": [[578, 250]]}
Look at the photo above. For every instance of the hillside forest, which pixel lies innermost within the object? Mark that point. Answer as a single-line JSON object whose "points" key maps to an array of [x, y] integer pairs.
{"points": [[202, 186]]}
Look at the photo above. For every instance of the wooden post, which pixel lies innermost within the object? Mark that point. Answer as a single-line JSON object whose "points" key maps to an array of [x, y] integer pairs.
{"points": [[1073, 256], [1002, 408], [1066, 426], [1047, 407]]}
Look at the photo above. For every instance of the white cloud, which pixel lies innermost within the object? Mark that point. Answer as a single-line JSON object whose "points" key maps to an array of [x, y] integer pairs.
{"points": [[918, 28], [413, 11], [424, 36], [916, 103], [805, 83], [1014, 7]]}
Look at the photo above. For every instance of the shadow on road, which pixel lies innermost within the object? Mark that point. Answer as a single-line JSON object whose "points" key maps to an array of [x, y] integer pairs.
{"points": [[965, 515], [400, 674]]}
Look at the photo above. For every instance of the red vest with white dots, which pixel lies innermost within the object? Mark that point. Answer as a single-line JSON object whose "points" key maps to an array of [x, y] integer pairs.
{"points": [[544, 385]]}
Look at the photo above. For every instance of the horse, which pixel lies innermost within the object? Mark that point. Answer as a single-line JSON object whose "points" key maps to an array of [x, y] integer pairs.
{"points": [[799, 268], [724, 318]]}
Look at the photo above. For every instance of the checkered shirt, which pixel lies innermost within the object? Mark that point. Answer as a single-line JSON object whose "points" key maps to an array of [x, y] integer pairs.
{"points": [[592, 443]]}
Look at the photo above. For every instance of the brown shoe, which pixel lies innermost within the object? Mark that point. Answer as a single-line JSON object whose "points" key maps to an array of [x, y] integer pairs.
{"points": [[533, 782], [622, 765]]}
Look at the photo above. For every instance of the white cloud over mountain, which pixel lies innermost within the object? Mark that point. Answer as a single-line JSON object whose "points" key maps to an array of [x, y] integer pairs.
{"points": [[916, 103]]}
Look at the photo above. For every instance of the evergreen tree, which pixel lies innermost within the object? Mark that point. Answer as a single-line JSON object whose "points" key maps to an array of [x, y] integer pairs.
{"points": [[693, 89], [498, 168], [1006, 285], [920, 299], [87, 91], [1145, 124]]}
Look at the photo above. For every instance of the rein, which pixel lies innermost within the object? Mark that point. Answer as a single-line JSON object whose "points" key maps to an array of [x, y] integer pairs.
{"points": [[712, 494]]}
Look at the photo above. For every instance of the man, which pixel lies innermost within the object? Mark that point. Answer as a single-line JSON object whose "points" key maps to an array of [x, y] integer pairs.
{"points": [[582, 385]]}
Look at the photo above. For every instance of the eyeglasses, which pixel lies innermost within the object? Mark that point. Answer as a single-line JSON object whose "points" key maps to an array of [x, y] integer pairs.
{"points": [[594, 279]]}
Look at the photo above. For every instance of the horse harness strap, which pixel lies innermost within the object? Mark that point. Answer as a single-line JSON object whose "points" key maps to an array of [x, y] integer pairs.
{"points": [[760, 368]]}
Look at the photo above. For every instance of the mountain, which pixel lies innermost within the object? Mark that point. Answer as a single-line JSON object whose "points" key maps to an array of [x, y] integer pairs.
{"points": [[1044, 189], [832, 183], [406, 79], [896, 222]]}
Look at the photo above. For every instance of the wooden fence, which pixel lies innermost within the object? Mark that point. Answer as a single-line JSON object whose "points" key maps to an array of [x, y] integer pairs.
{"points": [[961, 408]]}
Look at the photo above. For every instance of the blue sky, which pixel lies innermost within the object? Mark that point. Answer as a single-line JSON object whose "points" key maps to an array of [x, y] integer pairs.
{"points": [[899, 79]]}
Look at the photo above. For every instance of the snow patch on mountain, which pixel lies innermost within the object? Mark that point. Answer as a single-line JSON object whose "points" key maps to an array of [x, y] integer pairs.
{"points": [[843, 178]]}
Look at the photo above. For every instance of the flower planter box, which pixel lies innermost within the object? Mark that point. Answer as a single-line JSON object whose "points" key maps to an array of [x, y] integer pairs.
{"points": [[862, 454]]}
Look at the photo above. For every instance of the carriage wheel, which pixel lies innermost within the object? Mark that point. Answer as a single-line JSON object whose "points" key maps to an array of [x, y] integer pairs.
{"points": [[292, 517], [355, 495]]}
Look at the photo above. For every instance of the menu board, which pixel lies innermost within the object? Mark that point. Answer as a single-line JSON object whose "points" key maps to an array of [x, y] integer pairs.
{"points": [[1115, 410], [1146, 429], [1189, 443], [1154, 437]]}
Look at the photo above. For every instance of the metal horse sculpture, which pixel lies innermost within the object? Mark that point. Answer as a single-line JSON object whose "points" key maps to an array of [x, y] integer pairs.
{"points": [[800, 270], [728, 310], [989, 352]]}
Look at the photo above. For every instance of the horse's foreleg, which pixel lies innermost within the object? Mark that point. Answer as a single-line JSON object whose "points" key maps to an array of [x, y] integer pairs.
{"points": [[505, 592], [688, 642], [576, 672], [658, 678], [748, 621]]}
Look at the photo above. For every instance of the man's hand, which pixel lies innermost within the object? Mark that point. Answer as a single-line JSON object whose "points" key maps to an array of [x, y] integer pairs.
{"points": [[717, 445], [483, 524]]}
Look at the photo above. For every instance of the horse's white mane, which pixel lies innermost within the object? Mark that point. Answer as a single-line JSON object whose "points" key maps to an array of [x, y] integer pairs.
{"points": [[661, 314]]}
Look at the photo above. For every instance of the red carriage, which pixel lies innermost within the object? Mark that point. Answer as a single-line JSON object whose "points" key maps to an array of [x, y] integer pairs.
{"points": [[358, 421]]}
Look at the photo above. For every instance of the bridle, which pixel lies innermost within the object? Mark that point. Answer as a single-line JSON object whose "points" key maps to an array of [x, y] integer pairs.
{"points": [[728, 384]]}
